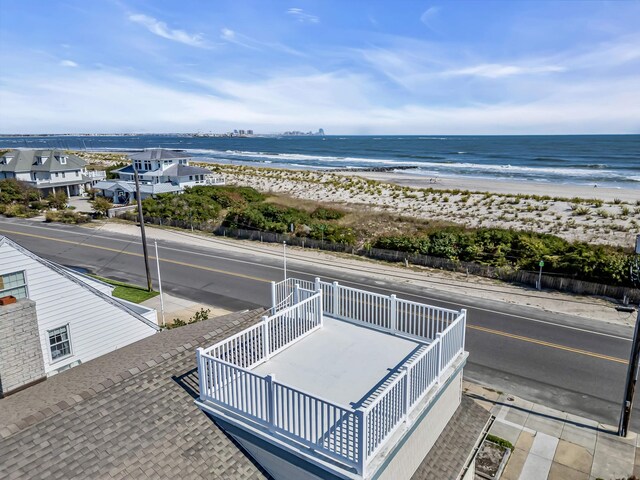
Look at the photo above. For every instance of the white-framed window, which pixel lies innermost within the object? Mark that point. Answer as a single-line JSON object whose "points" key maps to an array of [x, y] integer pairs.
{"points": [[14, 284], [63, 160], [42, 160], [59, 343]]}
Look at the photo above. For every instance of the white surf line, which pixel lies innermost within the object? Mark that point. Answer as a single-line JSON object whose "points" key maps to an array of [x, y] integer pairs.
{"points": [[455, 304]]}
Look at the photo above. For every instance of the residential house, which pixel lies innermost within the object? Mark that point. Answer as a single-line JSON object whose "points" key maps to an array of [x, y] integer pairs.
{"points": [[159, 171], [131, 414], [61, 318], [49, 171]]}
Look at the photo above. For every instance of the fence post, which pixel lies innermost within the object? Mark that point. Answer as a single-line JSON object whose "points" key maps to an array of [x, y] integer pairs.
{"points": [[202, 372], [361, 416], [296, 293], [439, 340], [266, 341], [319, 304], [334, 295], [464, 326], [271, 400], [407, 393], [274, 301], [318, 287], [393, 317]]}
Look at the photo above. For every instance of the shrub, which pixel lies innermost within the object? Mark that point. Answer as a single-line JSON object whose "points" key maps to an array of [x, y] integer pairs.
{"points": [[66, 216], [323, 213], [57, 200], [101, 205]]}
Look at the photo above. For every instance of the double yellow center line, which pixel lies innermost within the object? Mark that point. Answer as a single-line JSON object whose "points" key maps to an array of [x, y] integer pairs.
{"points": [[258, 279]]}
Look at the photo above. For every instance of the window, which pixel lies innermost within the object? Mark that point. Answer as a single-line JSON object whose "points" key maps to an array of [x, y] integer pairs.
{"points": [[63, 175], [59, 343], [13, 284], [62, 160], [42, 160]]}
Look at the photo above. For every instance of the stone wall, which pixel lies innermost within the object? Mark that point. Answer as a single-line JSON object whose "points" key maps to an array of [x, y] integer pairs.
{"points": [[21, 361]]}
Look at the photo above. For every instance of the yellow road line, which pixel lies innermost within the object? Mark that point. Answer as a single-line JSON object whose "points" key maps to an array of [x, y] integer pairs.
{"points": [[109, 249], [548, 344], [258, 279]]}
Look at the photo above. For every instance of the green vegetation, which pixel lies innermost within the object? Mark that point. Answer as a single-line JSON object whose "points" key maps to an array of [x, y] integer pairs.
{"points": [[517, 249], [128, 292], [66, 216], [18, 199], [197, 317], [500, 441], [101, 205]]}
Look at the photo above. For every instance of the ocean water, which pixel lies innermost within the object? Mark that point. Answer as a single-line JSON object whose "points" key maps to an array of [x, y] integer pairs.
{"points": [[605, 160]]}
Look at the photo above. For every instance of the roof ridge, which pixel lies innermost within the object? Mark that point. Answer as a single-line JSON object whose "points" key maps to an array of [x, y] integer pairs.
{"points": [[61, 271], [75, 398]]}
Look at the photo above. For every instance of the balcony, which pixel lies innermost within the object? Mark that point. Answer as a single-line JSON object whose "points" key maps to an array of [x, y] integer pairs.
{"points": [[336, 373], [94, 175]]}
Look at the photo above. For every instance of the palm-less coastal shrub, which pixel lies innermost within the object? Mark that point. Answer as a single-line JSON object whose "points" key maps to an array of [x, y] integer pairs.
{"points": [[522, 250]]}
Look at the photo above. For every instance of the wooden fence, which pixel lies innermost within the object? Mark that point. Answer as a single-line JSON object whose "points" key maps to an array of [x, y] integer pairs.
{"points": [[507, 274]]}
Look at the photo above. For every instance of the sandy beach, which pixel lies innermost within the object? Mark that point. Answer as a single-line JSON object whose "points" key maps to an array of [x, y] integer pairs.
{"points": [[594, 215], [502, 186]]}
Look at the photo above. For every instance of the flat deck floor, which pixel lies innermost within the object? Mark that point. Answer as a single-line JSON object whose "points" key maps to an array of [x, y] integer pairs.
{"points": [[340, 362]]}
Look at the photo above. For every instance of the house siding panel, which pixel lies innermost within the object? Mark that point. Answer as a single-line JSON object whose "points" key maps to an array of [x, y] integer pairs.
{"points": [[96, 326]]}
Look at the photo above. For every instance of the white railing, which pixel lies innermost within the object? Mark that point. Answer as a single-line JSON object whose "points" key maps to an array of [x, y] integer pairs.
{"points": [[95, 174], [214, 180], [256, 344], [383, 312], [351, 436]]}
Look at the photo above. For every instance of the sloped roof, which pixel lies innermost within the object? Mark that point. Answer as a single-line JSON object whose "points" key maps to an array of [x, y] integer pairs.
{"points": [[127, 414], [451, 452], [24, 160], [158, 154], [66, 274], [113, 184], [177, 170]]}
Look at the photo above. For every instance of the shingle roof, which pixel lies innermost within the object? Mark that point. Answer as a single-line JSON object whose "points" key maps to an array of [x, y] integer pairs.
{"points": [[450, 453], [177, 170], [158, 154], [127, 414], [24, 160]]}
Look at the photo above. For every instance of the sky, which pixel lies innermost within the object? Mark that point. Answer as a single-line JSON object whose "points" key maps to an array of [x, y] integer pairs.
{"points": [[350, 67]]}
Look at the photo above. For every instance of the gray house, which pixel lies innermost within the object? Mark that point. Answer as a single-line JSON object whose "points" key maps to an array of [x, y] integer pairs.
{"points": [[159, 171], [49, 170]]}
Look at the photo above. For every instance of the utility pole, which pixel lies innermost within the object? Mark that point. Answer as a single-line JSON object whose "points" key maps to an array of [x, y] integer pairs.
{"points": [[284, 258], [155, 242], [632, 369], [141, 220]]}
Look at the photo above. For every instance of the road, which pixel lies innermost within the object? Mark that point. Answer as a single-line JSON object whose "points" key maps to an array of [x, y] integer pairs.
{"points": [[571, 364]]}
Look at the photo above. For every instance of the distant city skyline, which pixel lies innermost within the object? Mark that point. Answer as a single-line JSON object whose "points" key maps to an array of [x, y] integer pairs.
{"points": [[463, 67]]}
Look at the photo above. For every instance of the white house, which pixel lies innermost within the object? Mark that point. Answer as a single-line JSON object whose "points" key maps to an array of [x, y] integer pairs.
{"points": [[159, 171], [49, 170], [339, 383], [61, 318]]}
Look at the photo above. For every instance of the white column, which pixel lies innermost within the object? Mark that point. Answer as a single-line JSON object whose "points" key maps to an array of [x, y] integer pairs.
{"points": [[265, 338], [273, 298], [336, 289], [271, 400], [393, 314]]}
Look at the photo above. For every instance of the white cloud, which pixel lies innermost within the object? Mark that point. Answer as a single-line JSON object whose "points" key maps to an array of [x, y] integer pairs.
{"points": [[162, 30], [341, 102], [428, 15], [68, 63], [302, 17], [496, 70]]}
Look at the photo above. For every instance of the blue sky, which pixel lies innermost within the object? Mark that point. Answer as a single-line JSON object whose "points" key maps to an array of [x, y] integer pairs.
{"points": [[351, 67]]}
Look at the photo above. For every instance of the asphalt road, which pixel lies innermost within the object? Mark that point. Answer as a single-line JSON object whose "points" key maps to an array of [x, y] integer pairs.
{"points": [[571, 364]]}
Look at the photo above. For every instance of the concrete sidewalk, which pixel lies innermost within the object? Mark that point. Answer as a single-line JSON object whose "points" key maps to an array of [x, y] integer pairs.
{"points": [[181, 308], [554, 445]]}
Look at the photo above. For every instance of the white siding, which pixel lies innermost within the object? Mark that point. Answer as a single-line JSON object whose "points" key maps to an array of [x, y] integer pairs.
{"points": [[96, 327], [25, 176]]}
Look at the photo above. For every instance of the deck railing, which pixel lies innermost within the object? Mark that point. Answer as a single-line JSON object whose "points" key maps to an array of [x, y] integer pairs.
{"points": [[383, 312], [351, 436]]}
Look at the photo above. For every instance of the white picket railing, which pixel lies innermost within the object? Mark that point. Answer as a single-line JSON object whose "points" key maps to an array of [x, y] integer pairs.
{"points": [[383, 312], [351, 436]]}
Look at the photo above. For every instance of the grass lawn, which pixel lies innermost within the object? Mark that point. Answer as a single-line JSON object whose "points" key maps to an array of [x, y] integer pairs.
{"points": [[128, 292]]}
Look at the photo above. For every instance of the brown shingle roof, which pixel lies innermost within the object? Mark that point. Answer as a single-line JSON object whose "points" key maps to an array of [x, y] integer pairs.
{"points": [[449, 454], [128, 414]]}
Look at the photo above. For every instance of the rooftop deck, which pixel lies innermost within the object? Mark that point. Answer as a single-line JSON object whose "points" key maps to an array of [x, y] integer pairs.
{"points": [[334, 369], [342, 362]]}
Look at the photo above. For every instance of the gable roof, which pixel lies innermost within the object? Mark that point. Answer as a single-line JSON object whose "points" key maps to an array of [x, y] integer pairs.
{"points": [[127, 414], [25, 160], [177, 170], [158, 154], [66, 274]]}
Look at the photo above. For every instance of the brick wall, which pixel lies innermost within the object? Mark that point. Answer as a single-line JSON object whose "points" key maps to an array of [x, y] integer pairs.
{"points": [[21, 360]]}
